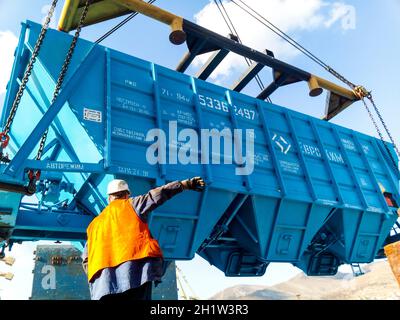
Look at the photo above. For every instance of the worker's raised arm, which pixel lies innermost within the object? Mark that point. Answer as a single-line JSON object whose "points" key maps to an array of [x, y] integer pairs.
{"points": [[146, 203]]}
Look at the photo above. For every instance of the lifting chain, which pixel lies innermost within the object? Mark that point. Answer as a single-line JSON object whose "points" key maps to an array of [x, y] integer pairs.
{"points": [[380, 134], [35, 176], [370, 98], [64, 70], [359, 91], [362, 93], [4, 137]]}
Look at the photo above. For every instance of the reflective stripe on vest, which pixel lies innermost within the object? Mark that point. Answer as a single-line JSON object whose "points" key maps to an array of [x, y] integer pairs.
{"points": [[118, 235]]}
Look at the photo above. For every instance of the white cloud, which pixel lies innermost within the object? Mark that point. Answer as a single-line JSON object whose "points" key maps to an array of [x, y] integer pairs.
{"points": [[8, 43], [291, 16]]}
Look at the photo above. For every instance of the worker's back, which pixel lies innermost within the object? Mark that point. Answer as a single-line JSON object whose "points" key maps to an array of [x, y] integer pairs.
{"points": [[118, 235]]}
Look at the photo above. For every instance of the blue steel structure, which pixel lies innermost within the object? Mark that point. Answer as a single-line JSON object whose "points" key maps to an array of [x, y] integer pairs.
{"points": [[320, 194]]}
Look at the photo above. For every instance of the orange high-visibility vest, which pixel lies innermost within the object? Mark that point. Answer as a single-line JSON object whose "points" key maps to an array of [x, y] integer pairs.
{"points": [[118, 235]]}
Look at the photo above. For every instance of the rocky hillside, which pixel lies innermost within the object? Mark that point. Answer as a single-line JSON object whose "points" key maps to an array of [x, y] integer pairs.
{"points": [[378, 282]]}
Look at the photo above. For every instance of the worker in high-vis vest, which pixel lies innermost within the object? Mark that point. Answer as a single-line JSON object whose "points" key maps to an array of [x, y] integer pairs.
{"points": [[121, 258]]}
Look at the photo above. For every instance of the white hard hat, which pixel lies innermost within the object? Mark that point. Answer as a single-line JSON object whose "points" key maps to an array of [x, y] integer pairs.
{"points": [[117, 185]]}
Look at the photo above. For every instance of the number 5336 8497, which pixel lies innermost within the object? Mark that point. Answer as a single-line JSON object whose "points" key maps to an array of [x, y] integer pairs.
{"points": [[223, 106]]}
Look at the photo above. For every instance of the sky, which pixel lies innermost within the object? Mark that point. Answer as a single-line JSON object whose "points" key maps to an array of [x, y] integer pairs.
{"points": [[358, 38]]}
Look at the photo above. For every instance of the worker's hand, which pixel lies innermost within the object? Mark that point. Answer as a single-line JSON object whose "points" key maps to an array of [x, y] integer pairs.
{"points": [[196, 184]]}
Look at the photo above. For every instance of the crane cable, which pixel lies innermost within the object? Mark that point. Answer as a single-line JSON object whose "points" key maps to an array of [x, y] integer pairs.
{"points": [[359, 91], [253, 13], [232, 29], [119, 25]]}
